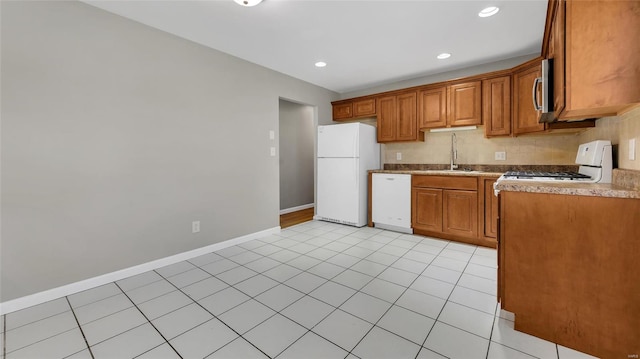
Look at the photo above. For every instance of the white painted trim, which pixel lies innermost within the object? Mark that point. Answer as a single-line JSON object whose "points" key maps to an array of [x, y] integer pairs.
{"points": [[298, 208], [55, 293]]}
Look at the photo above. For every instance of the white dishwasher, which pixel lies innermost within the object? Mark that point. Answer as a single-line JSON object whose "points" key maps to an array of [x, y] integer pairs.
{"points": [[391, 202]]}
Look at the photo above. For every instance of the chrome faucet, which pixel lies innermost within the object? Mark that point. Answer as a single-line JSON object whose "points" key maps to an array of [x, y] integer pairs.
{"points": [[454, 151]]}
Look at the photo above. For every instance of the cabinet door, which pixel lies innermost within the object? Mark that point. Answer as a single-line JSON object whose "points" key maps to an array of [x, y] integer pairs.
{"points": [[427, 209], [525, 116], [601, 57], [386, 118], [465, 106], [496, 106], [342, 111], [407, 126], [490, 209], [432, 108], [364, 108], [460, 213]]}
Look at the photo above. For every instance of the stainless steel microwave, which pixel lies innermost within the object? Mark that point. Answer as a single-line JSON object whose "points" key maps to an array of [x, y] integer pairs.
{"points": [[545, 102]]}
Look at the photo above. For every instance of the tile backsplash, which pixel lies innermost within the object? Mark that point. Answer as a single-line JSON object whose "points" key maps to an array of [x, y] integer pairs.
{"points": [[474, 148], [619, 130], [546, 149]]}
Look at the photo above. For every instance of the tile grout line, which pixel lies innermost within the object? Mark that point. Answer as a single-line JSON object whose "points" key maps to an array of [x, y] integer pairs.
{"points": [[299, 254], [335, 308], [344, 268], [349, 352], [43, 339], [217, 318], [395, 301], [392, 304], [445, 303], [304, 294], [80, 327], [148, 321], [495, 313], [330, 279]]}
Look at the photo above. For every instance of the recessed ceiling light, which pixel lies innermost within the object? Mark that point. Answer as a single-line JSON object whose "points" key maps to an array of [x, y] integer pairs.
{"points": [[248, 2], [489, 11], [444, 55], [321, 64]]}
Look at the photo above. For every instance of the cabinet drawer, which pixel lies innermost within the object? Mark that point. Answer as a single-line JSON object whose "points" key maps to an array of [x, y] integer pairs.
{"points": [[364, 108], [446, 182]]}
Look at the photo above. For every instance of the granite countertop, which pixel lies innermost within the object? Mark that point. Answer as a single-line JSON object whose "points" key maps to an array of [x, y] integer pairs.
{"points": [[442, 173], [569, 188], [626, 183], [472, 170]]}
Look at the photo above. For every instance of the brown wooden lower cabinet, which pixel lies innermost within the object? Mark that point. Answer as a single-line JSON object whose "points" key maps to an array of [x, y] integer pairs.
{"points": [[446, 207], [488, 208], [460, 208], [460, 213], [568, 270], [427, 209]]}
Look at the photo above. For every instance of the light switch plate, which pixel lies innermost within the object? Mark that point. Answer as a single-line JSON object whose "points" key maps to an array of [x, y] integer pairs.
{"points": [[273, 151], [272, 135], [399, 156], [632, 149], [501, 156]]}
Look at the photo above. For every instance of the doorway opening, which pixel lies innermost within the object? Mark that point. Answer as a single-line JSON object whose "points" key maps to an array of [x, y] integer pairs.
{"points": [[297, 162]]}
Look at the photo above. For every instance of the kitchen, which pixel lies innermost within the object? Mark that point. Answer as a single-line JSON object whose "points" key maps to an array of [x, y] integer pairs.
{"points": [[47, 219], [461, 205]]}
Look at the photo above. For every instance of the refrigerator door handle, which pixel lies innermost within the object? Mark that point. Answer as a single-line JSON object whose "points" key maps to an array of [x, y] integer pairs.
{"points": [[355, 146], [355, 173]]}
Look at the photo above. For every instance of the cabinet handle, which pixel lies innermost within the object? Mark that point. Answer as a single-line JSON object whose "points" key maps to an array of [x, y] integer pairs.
{"points": [[534, 94], [390, 179]]}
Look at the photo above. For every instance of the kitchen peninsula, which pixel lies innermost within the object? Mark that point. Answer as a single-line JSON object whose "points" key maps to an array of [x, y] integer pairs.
{"points": [[567, 257]]}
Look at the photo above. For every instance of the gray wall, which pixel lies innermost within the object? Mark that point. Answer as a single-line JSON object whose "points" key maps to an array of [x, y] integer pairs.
{"points": [[297, 144], [115, 136]]}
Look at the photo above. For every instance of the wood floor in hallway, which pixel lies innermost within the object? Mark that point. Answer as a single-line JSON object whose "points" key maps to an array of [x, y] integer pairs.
{"points": [[293, 218]]}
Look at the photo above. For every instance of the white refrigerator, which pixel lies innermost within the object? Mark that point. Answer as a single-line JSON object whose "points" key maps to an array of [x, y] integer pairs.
{"points": [[345, 153]]}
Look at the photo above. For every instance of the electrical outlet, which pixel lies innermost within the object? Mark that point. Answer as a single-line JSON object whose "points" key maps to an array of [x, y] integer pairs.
{"points": [[501, 156], [632, 149], [399, 156], [195, 226]]}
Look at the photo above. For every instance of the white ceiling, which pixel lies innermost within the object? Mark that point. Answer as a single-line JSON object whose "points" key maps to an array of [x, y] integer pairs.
{"points": [[366, 43]]}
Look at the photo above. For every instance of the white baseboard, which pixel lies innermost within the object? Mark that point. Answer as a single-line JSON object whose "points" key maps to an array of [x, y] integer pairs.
{"points": [[55, 293], [298, 208]]}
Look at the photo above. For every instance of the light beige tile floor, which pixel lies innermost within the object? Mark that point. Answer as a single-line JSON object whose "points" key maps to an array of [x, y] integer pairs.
{"points": [[315, 290]]}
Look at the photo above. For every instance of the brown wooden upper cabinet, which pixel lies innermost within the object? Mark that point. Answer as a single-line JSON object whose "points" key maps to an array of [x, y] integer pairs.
{"points": [[525, 116], [343, 111], [397, 120], [364, 108], [450, 106], [595, 47], [347, 110], [496, 106]]}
